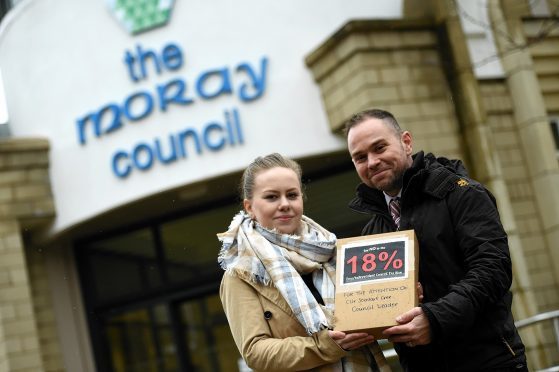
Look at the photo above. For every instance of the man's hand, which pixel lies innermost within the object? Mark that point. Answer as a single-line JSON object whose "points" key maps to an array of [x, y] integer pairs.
{"points": [[350, 341], [413, 328]]}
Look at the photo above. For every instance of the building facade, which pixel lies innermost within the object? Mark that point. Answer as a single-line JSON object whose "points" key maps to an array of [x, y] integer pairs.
{"points": [[129, 126]]}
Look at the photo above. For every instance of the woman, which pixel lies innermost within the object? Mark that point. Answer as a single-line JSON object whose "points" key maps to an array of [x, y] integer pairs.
{"points": [[278, 289]]}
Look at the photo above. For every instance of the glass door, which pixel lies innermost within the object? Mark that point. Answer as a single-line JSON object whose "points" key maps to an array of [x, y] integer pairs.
{"points": [[207, 336], [191, 335], [142, 340]]}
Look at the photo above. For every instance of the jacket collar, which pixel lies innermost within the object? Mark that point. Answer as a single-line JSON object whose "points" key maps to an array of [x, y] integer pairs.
{"points": [[370, 200], [273, 295], [432, 175]]}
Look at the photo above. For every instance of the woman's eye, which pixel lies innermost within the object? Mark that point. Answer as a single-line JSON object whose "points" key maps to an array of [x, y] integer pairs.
{"points": [[293, 195], [270, 197]]}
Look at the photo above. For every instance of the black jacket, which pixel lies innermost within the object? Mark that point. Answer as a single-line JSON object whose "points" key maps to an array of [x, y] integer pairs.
{"points": [[464, 267]]}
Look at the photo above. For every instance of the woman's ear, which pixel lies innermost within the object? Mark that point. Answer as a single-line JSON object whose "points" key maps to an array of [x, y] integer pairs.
{"points": [[248, 207]]}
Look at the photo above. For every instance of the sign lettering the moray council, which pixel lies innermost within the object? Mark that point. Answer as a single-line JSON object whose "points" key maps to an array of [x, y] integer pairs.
{"points": [[246, 81]]}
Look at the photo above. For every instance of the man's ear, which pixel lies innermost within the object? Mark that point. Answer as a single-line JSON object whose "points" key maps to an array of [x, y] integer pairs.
{"points": [[407, 141]]}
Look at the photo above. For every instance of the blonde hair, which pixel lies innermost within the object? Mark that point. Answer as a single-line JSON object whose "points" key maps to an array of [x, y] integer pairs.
{"points": [[263, 163]]}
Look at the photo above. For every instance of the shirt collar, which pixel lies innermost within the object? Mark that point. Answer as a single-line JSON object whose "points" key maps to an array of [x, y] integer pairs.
{"points": [[388, 198]]}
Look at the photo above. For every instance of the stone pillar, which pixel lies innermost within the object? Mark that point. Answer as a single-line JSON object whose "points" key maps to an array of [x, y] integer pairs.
{"points": [[536, 142], [17, 319], [481, 147], [532, 121], [25, 202]]}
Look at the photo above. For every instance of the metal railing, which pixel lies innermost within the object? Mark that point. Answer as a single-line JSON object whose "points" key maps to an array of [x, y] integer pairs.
{"points": [[550, 315]]}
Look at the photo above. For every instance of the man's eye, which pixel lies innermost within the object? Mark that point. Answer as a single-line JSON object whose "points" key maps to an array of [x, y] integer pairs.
{"points": [[360, 159]]}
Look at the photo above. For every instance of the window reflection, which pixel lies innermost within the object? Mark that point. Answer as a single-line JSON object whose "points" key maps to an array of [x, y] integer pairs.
{"points": [[123, 265], [131, 342], [191, 246], [206, 332], [143, 340]]}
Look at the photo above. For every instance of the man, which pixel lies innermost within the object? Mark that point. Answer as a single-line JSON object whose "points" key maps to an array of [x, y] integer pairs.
{"points": [[464, 322]]}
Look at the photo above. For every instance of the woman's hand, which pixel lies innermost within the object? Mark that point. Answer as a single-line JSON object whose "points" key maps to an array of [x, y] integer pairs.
{"points": [[350, 341]]}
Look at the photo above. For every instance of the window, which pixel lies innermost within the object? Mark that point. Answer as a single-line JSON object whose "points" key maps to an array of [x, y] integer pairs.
{"points": [[5, 5], [151, 295], [190, 245], [123, 266]]}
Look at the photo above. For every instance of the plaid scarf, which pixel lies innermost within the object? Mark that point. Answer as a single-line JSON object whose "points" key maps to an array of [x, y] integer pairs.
{"points": [[246, 245]]}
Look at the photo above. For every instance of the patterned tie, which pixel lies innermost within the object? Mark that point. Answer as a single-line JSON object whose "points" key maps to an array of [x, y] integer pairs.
{"points": [[394, 207]]}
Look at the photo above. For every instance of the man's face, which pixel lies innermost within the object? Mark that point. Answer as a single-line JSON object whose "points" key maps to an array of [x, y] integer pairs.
{"points": [[380, 155]]}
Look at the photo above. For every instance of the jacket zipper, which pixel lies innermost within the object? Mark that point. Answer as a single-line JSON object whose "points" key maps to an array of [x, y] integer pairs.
{"points": [[508, 346]]}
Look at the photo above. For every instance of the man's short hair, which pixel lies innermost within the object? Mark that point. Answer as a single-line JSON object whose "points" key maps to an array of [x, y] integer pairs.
{"points": [[383, 115]]}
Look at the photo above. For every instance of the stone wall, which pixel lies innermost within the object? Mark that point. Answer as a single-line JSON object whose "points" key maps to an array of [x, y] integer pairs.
{"points": [[543, 37], [375, 65], [27, 339]]}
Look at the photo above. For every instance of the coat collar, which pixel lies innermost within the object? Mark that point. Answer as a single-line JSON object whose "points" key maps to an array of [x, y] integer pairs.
{"points": [[274, 296], [370, 200]]}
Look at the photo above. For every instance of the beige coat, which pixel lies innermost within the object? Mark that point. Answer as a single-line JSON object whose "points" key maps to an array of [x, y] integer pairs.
{"points": [[267, 333]]}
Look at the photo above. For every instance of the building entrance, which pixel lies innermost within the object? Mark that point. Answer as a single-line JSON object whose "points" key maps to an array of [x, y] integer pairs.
{"points": [[151, 290]]}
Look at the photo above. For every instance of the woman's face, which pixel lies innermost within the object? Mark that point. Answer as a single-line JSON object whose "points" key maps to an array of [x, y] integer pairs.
{"points": [[277, 200]]}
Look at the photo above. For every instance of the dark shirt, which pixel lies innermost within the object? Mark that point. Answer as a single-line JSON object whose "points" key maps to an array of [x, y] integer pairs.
{"points": [[307, 278]]}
